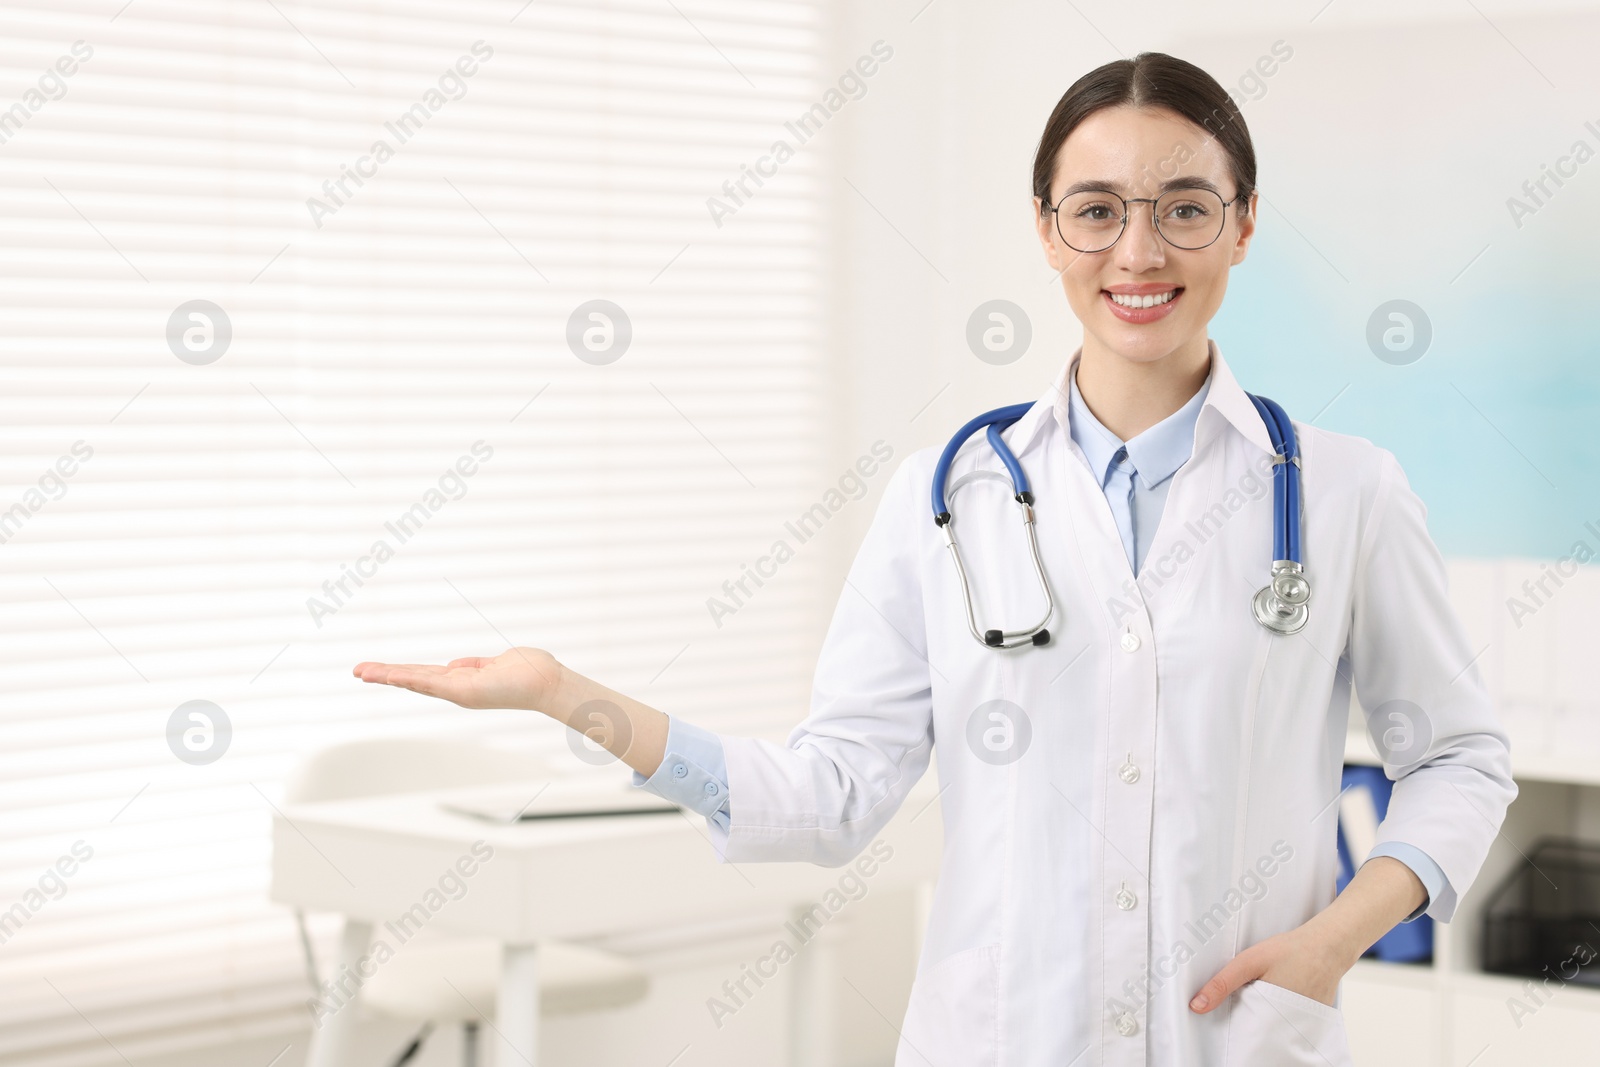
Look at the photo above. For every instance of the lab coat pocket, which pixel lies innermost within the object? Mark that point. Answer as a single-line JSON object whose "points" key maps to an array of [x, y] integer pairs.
{"points": [[953, 1019], [1277, 1027]]}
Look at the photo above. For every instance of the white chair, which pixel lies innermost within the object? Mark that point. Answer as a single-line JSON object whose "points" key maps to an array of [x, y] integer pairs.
{"points": [[453, 980]]}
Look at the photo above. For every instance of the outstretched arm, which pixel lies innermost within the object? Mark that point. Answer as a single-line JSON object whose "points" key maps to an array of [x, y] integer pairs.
{"points": [[844, 771]]}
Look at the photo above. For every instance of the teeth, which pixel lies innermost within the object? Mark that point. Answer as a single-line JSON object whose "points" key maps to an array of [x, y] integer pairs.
{"points": [[1150, 301]]}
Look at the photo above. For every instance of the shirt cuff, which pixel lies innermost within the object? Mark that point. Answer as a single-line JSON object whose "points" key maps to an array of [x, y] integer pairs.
{"points": [[1421, 865], [693, 773]]}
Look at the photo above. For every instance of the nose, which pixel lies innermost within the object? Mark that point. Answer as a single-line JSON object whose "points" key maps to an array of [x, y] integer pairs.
{"points": [[1141, 248]]}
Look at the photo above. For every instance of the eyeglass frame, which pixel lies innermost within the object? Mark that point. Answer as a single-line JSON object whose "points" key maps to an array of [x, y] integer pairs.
{"points": [[1127, 211]]}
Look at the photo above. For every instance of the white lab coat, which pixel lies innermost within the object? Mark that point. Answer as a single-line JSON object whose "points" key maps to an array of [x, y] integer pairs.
{"points": [[1174, 803]]}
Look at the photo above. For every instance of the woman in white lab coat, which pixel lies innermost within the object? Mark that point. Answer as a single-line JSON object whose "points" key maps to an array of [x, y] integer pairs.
{"points": [[1141, 869]]}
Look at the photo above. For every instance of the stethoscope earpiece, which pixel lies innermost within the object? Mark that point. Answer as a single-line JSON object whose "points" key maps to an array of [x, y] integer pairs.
{"points": [[993, 421]]}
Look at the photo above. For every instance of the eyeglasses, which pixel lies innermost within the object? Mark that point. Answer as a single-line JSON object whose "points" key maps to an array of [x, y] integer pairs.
{"points": [[1093, 221]]}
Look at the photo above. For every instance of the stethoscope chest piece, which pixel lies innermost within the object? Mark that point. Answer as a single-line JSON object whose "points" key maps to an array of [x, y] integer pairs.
{"points": [[1280, 605]]}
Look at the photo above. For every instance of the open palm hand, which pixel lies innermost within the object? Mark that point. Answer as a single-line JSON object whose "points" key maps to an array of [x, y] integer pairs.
{"points": [[524, 678]]}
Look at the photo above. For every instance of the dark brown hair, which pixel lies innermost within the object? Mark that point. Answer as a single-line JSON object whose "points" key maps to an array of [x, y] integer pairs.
{"points": [[1150, 79]]}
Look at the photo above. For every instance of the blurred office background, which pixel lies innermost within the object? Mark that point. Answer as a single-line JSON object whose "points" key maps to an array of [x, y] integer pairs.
{"points": [[182, 499]]}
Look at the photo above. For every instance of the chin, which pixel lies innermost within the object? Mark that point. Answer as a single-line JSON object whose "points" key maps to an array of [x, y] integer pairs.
{"points": [[1142, 344]]}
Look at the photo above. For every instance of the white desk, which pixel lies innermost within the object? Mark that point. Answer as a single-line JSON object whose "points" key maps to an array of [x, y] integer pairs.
{"points": [[372, 859]]}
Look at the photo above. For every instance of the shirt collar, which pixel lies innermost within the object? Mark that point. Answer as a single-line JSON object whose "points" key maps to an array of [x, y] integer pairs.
{"points": [[1224, 397], [1156, 452]]}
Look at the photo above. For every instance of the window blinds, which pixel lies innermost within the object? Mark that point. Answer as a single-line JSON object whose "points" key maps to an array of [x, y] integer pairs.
{"points": [[368, 329]]}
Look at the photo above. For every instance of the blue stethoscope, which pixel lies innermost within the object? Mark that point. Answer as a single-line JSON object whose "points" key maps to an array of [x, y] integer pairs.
{"points": [[1280, 606]]}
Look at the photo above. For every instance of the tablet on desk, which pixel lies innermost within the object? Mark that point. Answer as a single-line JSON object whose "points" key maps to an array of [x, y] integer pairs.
{"points": [[556, 800]]}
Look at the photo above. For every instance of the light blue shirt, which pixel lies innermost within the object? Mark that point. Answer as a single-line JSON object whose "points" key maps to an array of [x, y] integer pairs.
{"points": [[1134, 475]]}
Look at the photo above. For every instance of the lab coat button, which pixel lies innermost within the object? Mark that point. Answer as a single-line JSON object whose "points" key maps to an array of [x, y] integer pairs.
{"points": [[679, 771], [1130, 642], [1128, 772], [1127, 1026], [1125, 899]]}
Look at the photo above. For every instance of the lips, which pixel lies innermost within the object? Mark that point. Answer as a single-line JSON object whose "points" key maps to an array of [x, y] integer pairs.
{"points": [[1155, 304]]}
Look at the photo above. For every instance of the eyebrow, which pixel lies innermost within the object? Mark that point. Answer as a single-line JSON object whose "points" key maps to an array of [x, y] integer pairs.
{"points": [[1100, 185]]}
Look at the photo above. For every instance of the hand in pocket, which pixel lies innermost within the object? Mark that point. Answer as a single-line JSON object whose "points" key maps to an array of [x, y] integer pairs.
{"points": [[1299, 961]]}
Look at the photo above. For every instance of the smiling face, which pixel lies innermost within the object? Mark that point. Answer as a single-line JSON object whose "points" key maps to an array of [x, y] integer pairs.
{"points": [[1140, 152]]}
